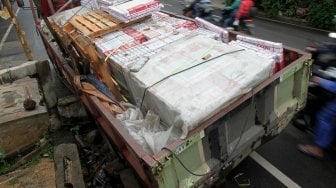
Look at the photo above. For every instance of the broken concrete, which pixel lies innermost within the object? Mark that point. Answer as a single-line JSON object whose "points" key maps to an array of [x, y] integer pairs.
{"points": [[18, 72], [47, 83], [71, 107], [18, 127], [68, 167], [31, 68]]}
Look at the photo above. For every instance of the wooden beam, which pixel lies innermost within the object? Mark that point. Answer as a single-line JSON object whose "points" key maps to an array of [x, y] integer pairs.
{"points": [[19, 31]]}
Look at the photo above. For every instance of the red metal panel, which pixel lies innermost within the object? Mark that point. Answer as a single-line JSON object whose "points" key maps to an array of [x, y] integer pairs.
{"points": [[126, 145]]}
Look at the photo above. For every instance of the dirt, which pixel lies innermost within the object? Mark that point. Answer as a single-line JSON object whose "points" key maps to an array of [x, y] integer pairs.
{"points": [[40, 175]]}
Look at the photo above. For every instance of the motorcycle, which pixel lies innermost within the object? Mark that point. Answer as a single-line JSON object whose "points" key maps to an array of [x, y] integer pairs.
{"points": [[206, 10], [324, 66], [246, 25]]}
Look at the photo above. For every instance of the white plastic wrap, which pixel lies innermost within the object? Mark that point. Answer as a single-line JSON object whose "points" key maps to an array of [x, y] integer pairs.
{"points": [[224, 34], [265, 48], [64, 17], [132, 10], [209, 76], [91, 4], [148, 131]]}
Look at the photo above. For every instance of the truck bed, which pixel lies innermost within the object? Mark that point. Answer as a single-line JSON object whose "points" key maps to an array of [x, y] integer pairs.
{"points": [[219, 143]]}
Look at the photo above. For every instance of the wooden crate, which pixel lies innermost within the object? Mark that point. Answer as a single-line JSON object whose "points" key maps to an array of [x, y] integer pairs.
{"points": [[94, 23], [97, 23]]}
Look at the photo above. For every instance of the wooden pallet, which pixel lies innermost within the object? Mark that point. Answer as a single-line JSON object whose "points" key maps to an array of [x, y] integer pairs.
{"points": [[97, 23]]}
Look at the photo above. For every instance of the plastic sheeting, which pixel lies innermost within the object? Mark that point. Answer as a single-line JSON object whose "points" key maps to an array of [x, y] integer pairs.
{"points": [[64, 17], [92, 4], [132, 10], [148, 131], [130, 47], [189, 81], [264, 48], [224, 34]]}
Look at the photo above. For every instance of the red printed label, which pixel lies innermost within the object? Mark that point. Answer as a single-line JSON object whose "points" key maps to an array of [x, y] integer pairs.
{"points": [[136, 35], [142, 7]]}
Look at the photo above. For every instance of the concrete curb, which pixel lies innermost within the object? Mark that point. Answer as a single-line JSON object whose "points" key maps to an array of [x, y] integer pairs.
{"points": [[290, 21]]}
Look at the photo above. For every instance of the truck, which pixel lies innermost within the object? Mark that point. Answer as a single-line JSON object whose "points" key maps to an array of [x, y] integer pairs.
{"points": [[216, 145]]}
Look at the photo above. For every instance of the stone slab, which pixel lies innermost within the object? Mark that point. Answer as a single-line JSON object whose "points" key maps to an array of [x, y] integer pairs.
{"points": [[18, 127], [68, 167]]}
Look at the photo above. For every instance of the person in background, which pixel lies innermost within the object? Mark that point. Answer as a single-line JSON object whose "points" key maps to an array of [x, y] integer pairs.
{"points": [[325, 123], [227, 2], [199, 5], [229, 13], [243, 11]]}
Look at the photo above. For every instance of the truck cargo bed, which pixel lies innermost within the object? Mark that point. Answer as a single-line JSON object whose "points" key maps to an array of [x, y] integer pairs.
{"points": [[219, 143]]}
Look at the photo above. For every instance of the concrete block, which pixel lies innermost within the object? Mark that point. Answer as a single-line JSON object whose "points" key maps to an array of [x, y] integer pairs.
{"points": [[11, 74], [71, 107], [68, 167], [18, 127], [47, 83]]}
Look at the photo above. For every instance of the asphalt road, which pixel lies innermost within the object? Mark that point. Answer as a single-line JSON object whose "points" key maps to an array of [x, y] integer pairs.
{"points": [[288, 35], [281, 152], [11, 52]]}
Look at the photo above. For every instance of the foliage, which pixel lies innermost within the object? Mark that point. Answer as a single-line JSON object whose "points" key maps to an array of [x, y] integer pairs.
{"points": [[271, 7], [289, 8], [75, 129], [286, 7], [321, 13], [4, 165], [36, 159], [13, 181]]}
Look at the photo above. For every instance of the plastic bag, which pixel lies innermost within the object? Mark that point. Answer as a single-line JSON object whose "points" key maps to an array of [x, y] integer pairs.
{"points": [[148, 131]]}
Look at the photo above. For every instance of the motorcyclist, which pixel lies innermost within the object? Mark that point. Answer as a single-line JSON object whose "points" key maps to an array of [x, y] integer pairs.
{"points": [[325, 123], [229, 13], [243, 11], [199, 5]]}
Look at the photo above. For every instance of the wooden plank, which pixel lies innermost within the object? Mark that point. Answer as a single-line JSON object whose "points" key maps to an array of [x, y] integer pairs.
{"points": [[100, 67], [108, 16], [102, 18], [87, 23], [97, 22], [106, 21], [68, 27], [115, 27], [103, 32], [80, 27]]}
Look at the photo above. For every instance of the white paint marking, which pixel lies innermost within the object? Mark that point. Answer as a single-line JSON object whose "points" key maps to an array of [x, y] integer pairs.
{"points": [[274, 171], [4, 38]]}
